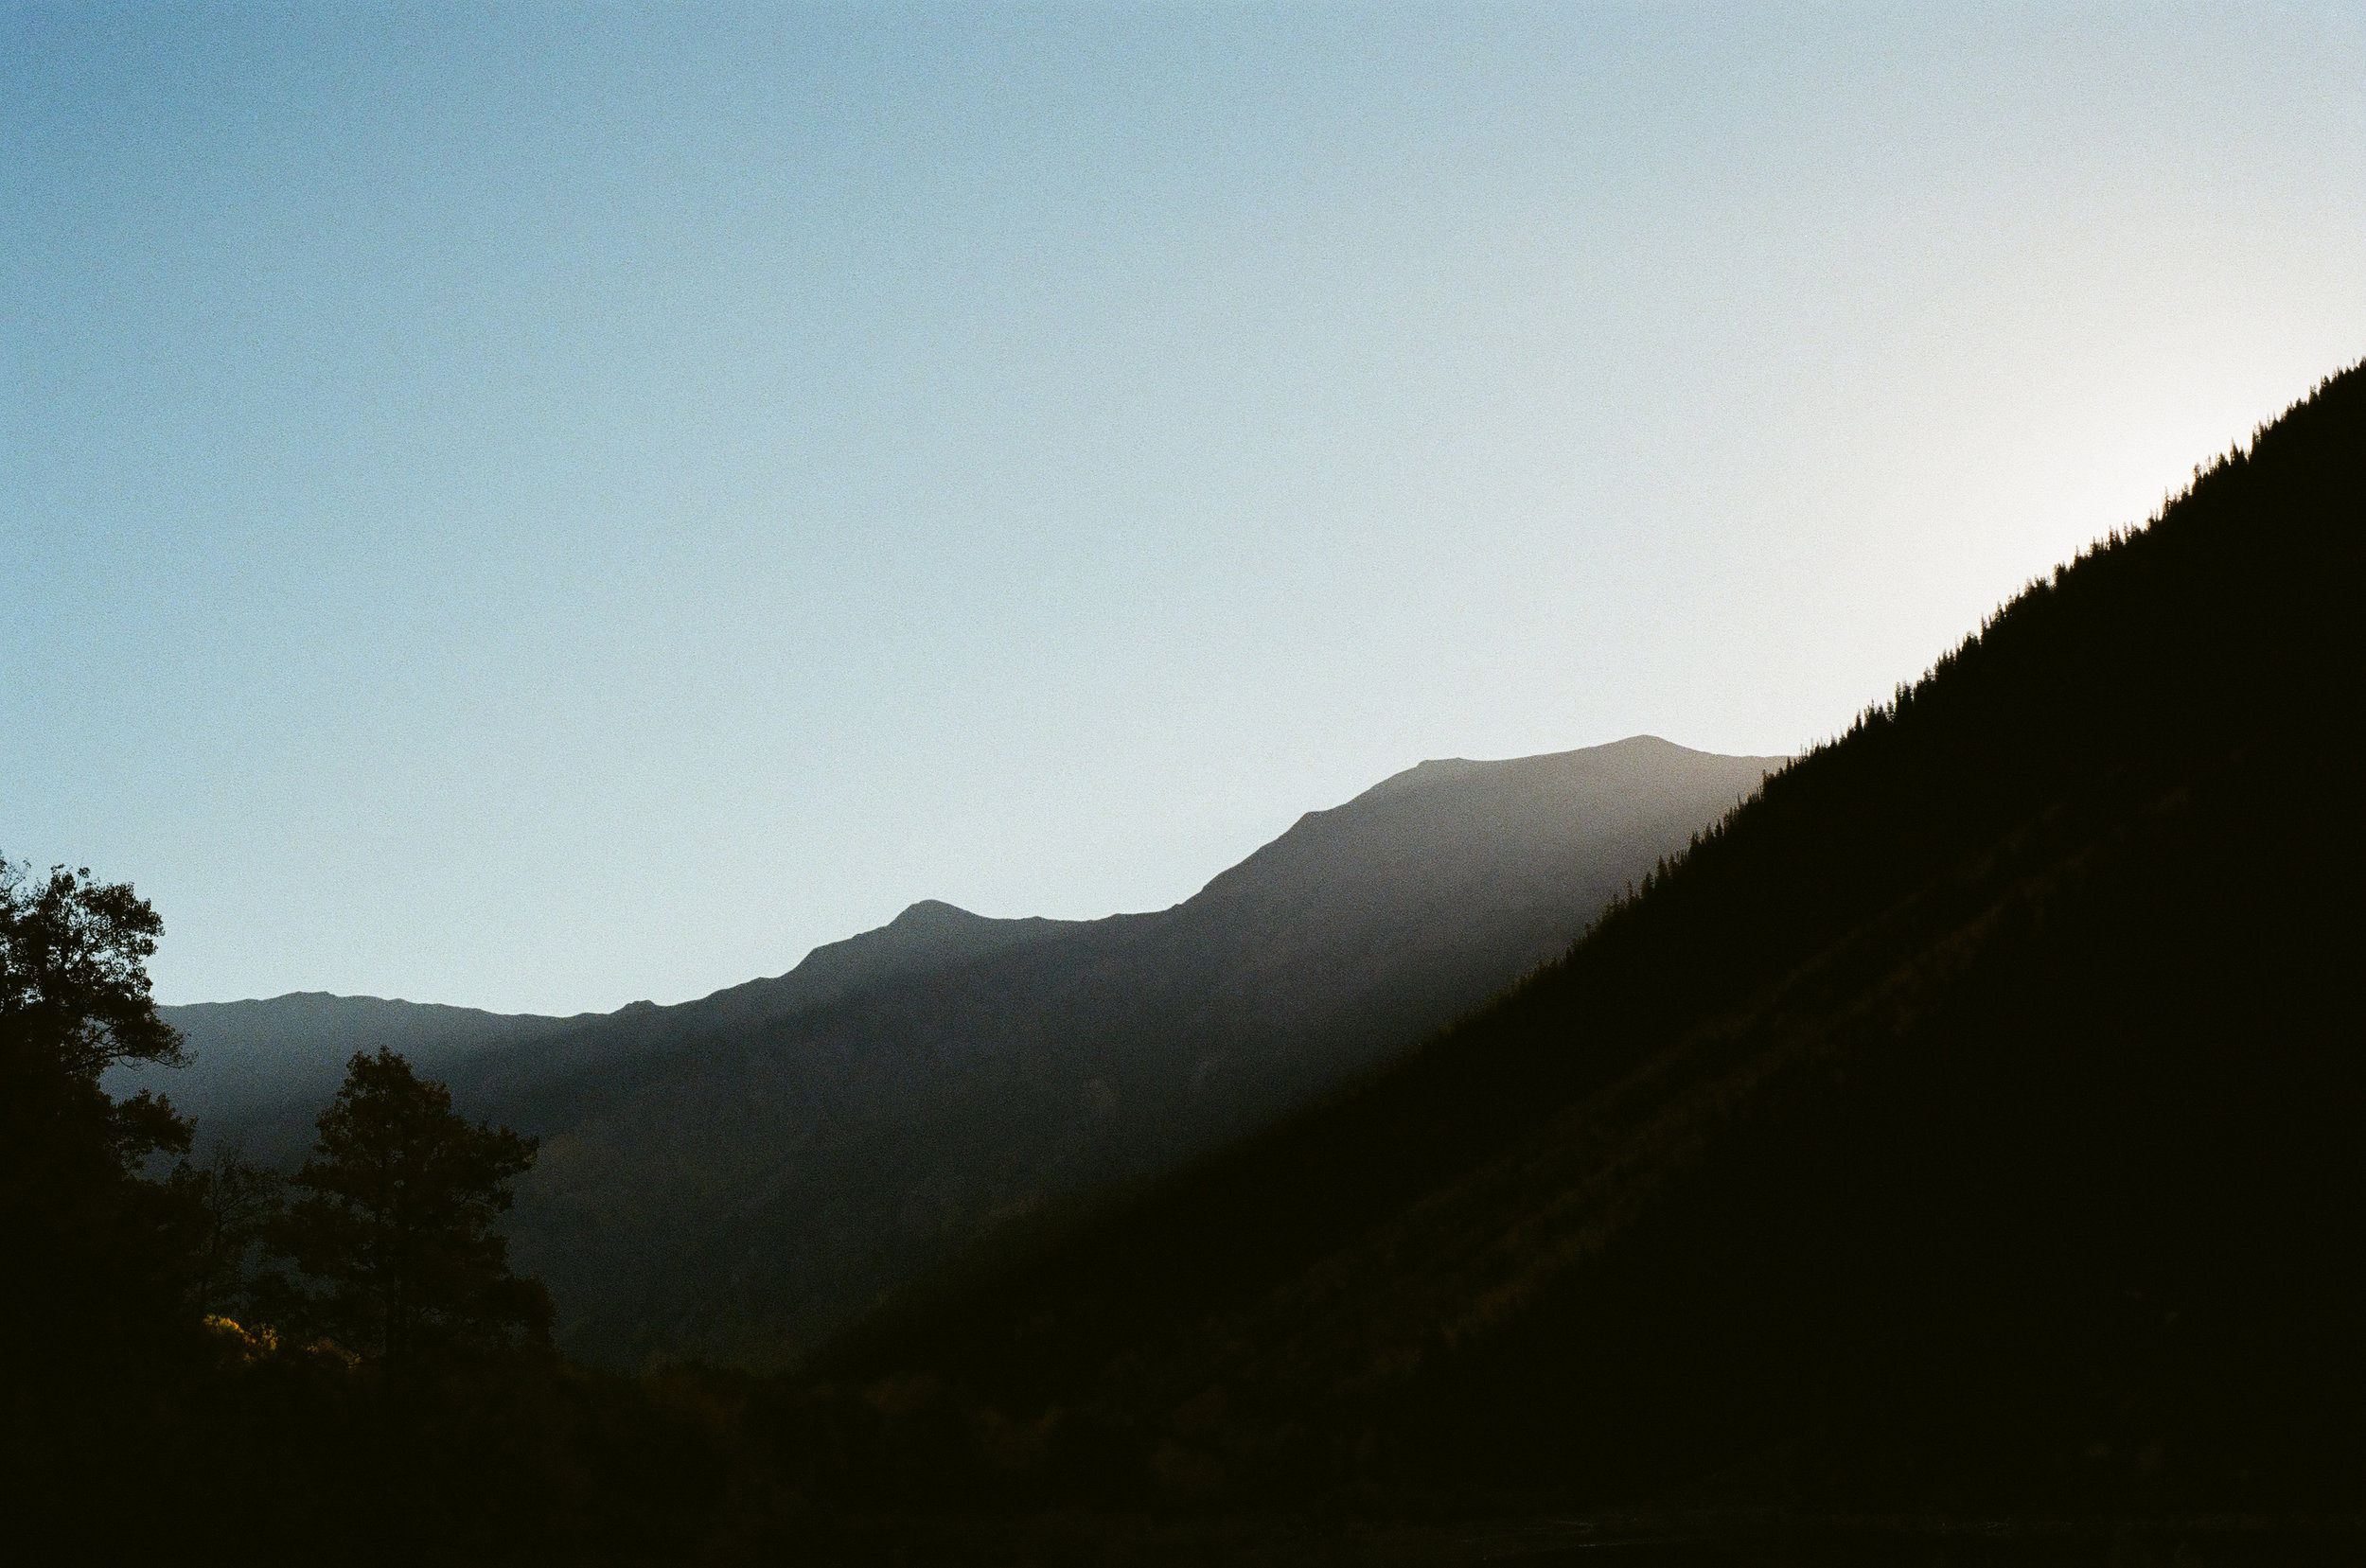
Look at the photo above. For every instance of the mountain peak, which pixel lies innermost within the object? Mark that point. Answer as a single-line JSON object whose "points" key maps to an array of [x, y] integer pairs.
{"points": [[932, 911], [1612, 761]]}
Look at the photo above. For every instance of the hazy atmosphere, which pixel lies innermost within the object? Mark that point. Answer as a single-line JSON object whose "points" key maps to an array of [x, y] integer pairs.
{"points": [[541, 507]]}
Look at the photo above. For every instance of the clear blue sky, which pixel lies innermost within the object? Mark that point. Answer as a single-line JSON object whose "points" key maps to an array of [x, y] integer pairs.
{"points": [[541, 507]]}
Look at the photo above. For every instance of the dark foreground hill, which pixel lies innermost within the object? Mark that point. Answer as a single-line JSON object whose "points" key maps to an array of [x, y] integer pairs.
{"points": [[736, 1177], [1975, 1121]]}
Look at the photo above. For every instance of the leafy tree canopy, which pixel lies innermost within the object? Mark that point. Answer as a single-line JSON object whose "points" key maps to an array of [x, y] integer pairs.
{"points": [[74, 956], [97, 1246]]}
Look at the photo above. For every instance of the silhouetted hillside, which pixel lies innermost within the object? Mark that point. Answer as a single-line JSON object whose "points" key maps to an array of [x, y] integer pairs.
{"points": [[1972, 1120]]}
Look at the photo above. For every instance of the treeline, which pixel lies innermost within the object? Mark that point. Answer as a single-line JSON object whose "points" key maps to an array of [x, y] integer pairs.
{"points": [[209, 1360], [382, 1248]]}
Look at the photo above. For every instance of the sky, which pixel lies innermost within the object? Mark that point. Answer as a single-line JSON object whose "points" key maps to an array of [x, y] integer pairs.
{"points": [[538, 507]]}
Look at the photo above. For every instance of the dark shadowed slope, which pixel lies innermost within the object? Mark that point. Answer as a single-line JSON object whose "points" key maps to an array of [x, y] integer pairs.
{"points": [[1971, 1121]]}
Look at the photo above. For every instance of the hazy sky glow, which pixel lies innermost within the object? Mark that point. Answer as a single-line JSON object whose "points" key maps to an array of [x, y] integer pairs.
{"points": [[542, 507]]}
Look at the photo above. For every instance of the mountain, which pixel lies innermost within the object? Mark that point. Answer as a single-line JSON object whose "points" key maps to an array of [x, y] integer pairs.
{"points": [[249, 1059], [738, 1177], [1968, 1125], [260, 1070]]}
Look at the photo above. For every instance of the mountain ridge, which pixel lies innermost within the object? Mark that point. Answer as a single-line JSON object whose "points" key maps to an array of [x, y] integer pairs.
{"points": [[735, 1177], [1033, 1074]]}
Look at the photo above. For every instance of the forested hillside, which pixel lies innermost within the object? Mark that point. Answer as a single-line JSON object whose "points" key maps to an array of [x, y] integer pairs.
{"points": [[1970, 1121]]}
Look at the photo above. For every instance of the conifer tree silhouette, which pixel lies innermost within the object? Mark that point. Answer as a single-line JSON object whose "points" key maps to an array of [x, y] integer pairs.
{"points": [[395, 1221]]}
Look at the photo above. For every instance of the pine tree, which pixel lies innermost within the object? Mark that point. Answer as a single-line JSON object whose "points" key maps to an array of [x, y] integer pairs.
{"points": [[395, 1222]]}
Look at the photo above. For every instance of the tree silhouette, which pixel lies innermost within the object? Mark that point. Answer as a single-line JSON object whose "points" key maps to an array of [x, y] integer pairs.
{"points": [[95, 1248], [395, 1221], [237, 1202]]}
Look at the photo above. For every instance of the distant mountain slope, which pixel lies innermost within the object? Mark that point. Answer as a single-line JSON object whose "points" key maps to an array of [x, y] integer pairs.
{"points": [[737, 1176], [260, 1070], [738, 1189], [248, 1058], [1971, 1122], [927, 938]]}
